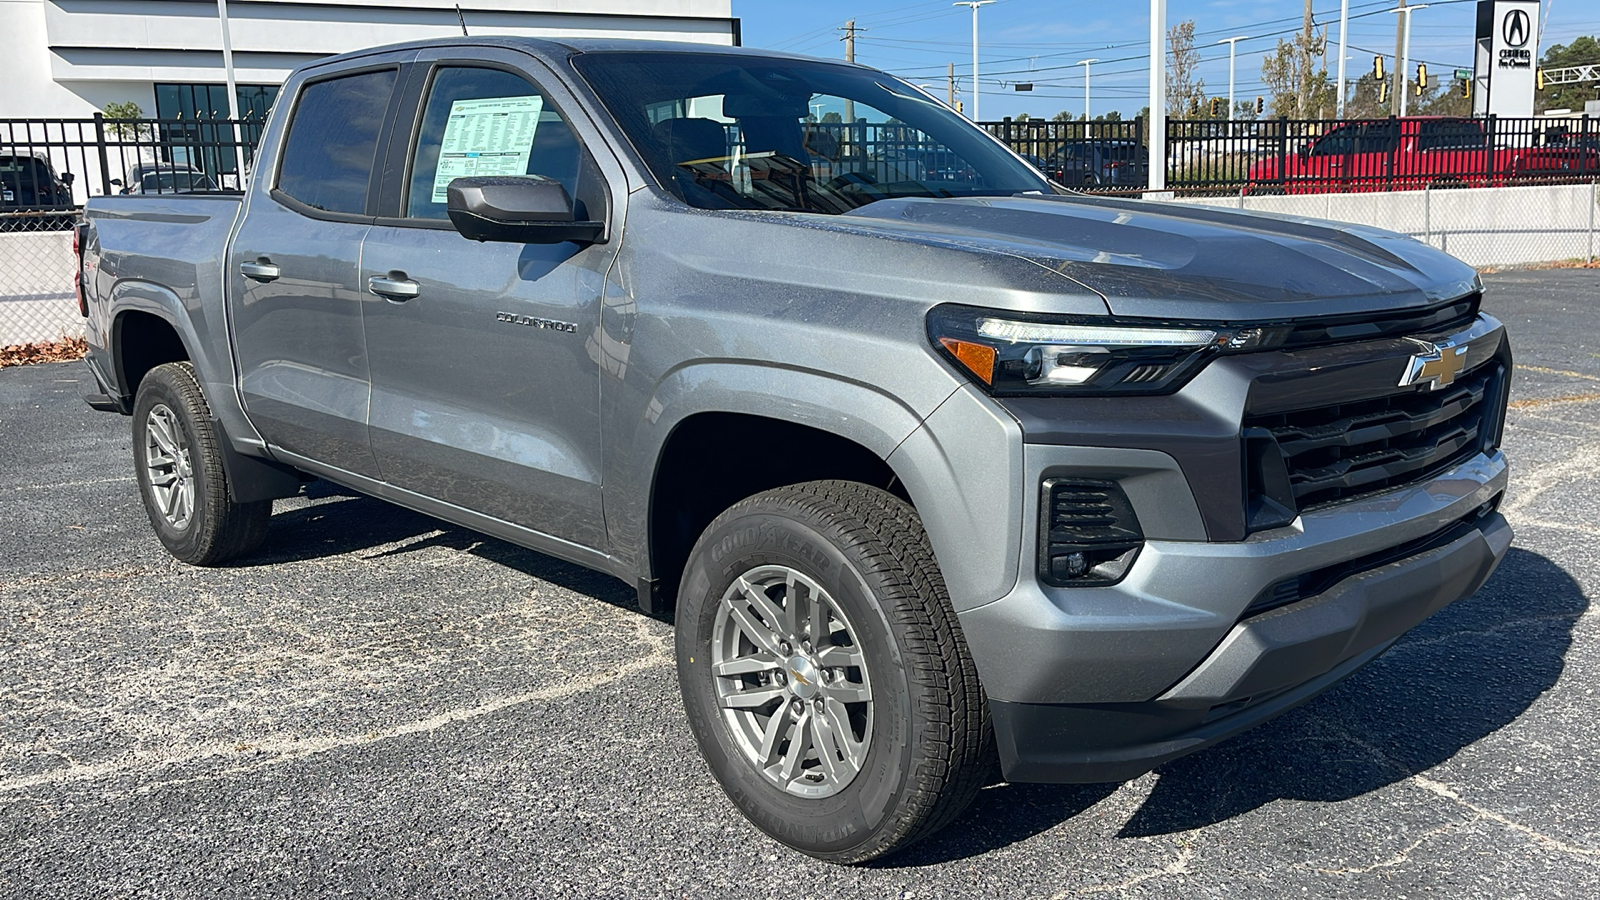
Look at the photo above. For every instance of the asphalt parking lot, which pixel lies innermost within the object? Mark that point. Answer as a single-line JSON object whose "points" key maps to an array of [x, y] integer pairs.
{"points": [[380, 704]]}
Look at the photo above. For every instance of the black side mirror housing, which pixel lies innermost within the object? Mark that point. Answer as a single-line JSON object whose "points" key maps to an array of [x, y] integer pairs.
{"points": [[518, 209], [1305, 151], [67, 178]]}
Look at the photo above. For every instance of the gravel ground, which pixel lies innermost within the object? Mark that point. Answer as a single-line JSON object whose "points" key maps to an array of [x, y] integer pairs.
{"points": [[380, 704]]}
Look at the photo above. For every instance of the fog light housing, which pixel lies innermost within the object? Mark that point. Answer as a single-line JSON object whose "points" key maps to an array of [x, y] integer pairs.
{"points": [[1088, 533]]}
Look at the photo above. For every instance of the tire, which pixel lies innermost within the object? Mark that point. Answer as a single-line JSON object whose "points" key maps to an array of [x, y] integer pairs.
{"points": [[885, 660], [177, 454]]}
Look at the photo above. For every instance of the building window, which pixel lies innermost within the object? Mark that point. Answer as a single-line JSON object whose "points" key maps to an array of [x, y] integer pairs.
{"points": [[191, 140]]}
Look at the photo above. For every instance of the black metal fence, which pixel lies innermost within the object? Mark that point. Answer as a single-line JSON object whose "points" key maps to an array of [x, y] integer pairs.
{"points": [[50, 167], [1278, 156], [1287, 156]]}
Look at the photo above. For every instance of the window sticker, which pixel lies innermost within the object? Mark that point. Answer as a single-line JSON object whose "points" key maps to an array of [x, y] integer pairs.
{"points": [[492, 136]]}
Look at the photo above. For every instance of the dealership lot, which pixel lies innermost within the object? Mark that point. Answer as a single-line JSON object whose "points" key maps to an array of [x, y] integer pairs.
{"points": [[380, 704]]}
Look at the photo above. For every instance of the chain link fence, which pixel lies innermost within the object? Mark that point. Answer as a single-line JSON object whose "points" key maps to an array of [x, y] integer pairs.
{"points": [[37, 302], [1484, 227]]}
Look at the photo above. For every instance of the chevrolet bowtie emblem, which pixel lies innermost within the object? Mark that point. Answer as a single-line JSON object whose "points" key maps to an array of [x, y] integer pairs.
{"points": [[1437, 364]]}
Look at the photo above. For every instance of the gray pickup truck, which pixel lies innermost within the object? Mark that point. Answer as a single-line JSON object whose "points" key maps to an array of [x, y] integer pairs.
{"points": [[938, 467]]}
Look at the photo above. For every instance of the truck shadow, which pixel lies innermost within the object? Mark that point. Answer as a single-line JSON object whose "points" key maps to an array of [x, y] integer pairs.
{"points": [[351, 523], [1456, 679]]}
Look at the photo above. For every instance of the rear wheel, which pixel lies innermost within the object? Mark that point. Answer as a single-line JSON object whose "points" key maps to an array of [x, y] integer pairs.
{"points": [[824, 673], [178, 461]]}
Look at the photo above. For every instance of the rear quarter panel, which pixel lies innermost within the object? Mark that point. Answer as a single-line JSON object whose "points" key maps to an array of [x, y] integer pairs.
{"points": [[163, 255]]}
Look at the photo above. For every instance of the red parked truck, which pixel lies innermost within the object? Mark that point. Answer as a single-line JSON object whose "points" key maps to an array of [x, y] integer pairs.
{"points": [[1413, 153]]}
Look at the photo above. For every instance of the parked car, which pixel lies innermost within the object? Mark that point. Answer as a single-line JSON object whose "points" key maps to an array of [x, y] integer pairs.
{"points": [[164, 178], [1411, 154], [30, 190], [934, 476], [1096, 163]]}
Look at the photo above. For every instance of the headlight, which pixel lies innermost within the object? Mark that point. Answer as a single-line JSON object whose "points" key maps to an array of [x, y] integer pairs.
{"points": [[1020, 353]]}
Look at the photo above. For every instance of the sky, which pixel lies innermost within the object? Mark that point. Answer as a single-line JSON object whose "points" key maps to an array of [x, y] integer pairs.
{"points": [[1041, 40]]}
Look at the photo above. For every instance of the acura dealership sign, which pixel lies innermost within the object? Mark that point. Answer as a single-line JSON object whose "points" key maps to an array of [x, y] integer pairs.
{"points": [[1507, 53]]}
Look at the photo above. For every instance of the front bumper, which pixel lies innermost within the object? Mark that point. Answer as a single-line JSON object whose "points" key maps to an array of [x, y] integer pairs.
{"points": [[1265, 665]]}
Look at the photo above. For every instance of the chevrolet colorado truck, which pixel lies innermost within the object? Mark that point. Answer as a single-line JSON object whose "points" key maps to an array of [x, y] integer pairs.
{"points": [[937, 468]]}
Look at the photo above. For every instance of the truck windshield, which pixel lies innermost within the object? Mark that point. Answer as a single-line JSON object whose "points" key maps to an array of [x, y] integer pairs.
{"points": [[747, 132]]}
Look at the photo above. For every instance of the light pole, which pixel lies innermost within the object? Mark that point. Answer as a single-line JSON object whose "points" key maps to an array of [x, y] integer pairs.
{"points": [[233, 93], [1232, 43], [975, 88], [1344, 33], [1085, 63], [1405, 52], [1158, 96]]}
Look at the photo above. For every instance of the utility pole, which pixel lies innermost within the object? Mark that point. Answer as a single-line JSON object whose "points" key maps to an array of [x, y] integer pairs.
{"points": [[950, 86], [1304, 107], [1158, 96], [850, 56], [1398, 90], [1231, 42], [976, 89], [1344, 33], [1085, 63]]}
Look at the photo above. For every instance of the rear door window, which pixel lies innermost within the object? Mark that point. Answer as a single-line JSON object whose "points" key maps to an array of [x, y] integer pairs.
{"points": [[481, 121], [330, 152]]}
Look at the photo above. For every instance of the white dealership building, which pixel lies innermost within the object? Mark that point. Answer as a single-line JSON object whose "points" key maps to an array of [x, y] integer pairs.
{"points": [[69, 58]]}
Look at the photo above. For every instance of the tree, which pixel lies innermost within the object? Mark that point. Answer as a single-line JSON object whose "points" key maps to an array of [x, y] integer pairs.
{"points": [[1583, 51], [1442, 97], [832, 117], [1063, 116], [1185, 92], [1298, 68], [1245, 110], [1022, 117], [1362, 101], [126, 110]]}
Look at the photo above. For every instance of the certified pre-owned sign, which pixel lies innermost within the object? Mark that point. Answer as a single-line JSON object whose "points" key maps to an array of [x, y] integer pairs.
{"points": [[1515, 29]]}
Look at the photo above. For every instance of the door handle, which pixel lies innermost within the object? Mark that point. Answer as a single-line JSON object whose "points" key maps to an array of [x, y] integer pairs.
{"points": [[260, 271], [401, 288]]}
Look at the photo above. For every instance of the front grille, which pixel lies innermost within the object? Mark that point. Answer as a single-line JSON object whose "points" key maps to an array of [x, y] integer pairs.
{"points": [[1347, 450], [1349, 328]]}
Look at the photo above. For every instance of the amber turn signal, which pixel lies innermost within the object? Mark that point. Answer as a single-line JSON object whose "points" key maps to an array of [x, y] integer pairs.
{"points": [[977, 358]]}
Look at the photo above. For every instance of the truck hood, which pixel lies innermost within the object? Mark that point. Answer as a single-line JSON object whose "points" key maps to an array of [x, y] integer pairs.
{"points": [[1179, 261]]}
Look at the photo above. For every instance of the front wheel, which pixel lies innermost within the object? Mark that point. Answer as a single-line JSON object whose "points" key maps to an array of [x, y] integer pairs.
{"points": [[824, 674], [177, 455]]}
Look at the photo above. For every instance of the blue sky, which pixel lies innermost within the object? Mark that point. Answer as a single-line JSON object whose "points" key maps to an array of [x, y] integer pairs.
{"points": [[1046, 37]]}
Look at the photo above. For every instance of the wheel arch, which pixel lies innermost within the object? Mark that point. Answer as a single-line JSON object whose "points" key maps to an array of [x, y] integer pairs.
{"points": [[149, 326], [724, 431]]}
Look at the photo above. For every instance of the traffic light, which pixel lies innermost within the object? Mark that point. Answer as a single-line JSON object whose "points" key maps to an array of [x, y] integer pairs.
{"points": [[1377, 67], [1216, 107], [960, 106], [1383, 92], [1261, 105], [1422, 78], [1466, 87], [1538, 78]]}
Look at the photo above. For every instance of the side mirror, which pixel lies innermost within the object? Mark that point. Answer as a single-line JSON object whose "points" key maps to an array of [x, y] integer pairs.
{"points": [[1304, 152], [116, 182], [517, 209], [67, 178]]}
